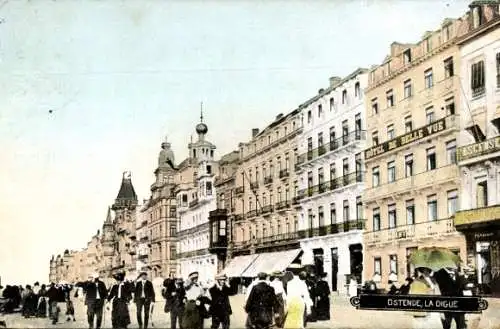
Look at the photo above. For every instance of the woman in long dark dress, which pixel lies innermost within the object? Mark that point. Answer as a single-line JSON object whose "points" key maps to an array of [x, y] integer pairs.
{"points": [[322, 299], [42, 302], [121, 294]]}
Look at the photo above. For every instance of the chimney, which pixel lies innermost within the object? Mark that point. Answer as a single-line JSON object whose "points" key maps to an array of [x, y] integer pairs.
{"points": [[279, 116], [255, 132], [320, 90], [334, 81]]}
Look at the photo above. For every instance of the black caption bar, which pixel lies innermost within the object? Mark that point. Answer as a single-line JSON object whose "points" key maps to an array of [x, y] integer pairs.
{"points": [[419, 303]]}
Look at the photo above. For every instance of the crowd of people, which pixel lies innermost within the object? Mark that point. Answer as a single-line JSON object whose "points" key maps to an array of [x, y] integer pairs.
{"points": [[285, 300]]}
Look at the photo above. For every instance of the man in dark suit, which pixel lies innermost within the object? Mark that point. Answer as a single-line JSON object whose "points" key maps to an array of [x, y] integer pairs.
{"points": [[451, 284], [221, 308], [177, 295], [95, 295], [261, 304], [144, 297]]}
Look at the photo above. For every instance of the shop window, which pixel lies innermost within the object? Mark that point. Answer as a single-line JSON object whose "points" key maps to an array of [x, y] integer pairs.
{"points": [[482, 194]]}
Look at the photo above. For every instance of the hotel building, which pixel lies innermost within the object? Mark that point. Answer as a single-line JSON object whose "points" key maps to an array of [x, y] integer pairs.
{"points": [[196, 197], [412, 178], [479, 145], [265, 224], [331, 179]]}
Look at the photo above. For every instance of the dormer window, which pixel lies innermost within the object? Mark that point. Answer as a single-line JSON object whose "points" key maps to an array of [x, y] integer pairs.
{"points": [[407, 56], [357, 90], [344, 96], [332, 104], [309, 116], [320, 111]]}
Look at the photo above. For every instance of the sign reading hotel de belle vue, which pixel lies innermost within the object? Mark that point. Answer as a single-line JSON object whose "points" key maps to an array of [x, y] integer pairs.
{"points": [[430, 129]]}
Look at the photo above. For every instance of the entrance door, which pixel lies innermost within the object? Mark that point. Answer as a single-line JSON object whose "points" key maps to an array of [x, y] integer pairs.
{"points": [[335, 267], [356, 253]]}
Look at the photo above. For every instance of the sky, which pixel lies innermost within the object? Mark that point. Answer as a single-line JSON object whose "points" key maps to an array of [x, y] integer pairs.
{"points": [[89, 89]]}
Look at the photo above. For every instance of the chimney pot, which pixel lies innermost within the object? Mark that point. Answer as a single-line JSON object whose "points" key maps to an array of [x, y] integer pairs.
{"points": [[334, 81], [279, 116]]}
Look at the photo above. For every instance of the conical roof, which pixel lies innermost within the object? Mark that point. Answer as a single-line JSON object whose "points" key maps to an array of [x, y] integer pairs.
{"points": [[126, 195]]}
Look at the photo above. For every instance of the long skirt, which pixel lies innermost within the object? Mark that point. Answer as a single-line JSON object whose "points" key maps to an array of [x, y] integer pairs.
{"points": [[42, 307], [295, 313], [120, 317], [191, 319], [280, 319], [323, 308], [70, 309]]}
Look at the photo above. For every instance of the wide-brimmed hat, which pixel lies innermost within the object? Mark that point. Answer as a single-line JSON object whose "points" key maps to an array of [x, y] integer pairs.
{"points": [[193, 275], [221, 277], [276, 273], [120, 276], [141, 274]]}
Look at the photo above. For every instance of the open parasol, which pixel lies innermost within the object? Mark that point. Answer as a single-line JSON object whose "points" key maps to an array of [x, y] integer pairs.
{"points": [[434, 258]]}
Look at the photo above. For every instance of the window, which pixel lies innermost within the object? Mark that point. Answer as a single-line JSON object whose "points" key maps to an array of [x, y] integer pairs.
{"points": [[407, 56], [390, 98], [375, 177], [407, 88], [357, 125], [410, 212], [320, 140], [408, 165], [391, 172], [448, 67], [498, 69], [390, 132], [345, 132], [310, 217], [450, 106], [375, 138], [320, 111], [333, 142], [377, 266], [452, 202], [359, 208], [357, 90], [222, 228], [431, 158], [482, 194], [346, 211], [451, 152], [173, 230], [333, 214], [408, 124], [432, 214], [428, 77], [376, 219], [429, 115], [309, 148], [173, 252], [321, 217], [391, 215], [332, 171], [321, 176], [309, 179], [309, 116], [477, 79], [428, 44], [393, 264], [374, 106], [332, 104], [446, 33], [344, 97]]}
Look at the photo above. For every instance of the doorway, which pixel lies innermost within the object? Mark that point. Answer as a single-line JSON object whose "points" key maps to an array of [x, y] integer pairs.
{"points": [[335, 267], [318, 261], [356, 257]]}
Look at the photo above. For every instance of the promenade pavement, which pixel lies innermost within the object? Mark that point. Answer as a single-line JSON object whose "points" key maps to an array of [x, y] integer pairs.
{"points": [[343, 316]]}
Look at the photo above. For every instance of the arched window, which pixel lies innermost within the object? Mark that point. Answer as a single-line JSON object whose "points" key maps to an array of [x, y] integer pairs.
{"points": [[332, 104], [357, 90], [344, 96]]}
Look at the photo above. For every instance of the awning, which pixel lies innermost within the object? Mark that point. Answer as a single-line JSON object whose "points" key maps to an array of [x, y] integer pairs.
{"points": [[476, 126], [238, 264], [271, 261]]}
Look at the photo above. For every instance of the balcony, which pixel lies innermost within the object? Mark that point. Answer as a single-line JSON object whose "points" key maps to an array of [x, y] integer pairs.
{"points": [[268, 180], [420, 134], [477, 217], [336, 228], [251, 213], [427, 179], [267, 209], [238, 217], [284, 173], [282, 205], [143, 256], [254, 185], [334, 145], [193, 203], [239, 190], [144, 239], [193, 253], [422, 230], [337, 183], [471, 151]]}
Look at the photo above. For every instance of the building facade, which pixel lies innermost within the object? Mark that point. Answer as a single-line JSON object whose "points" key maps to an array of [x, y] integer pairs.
{"points": [[479, 146], [196, 197], [412, 181], [265, 225], [331, 179]]}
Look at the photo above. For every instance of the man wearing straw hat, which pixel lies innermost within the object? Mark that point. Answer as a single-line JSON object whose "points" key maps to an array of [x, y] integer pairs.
{"points": [[192, 317], [221, 307]]}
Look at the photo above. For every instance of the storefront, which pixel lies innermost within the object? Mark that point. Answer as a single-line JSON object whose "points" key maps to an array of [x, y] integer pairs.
{"points": [[481, 228]]}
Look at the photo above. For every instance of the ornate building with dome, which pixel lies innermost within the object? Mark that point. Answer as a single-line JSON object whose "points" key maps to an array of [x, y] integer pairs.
{"points": [[110, 250]]}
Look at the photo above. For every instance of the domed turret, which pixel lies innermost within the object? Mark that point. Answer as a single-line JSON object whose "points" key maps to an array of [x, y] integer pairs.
{"points": [[201, 128]]}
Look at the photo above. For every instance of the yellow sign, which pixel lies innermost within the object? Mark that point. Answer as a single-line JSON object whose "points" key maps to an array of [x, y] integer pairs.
{"points": [[474, 150], [480, 215]]}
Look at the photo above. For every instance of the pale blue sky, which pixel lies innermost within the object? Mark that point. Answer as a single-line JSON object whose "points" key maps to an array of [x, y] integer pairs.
{"points": [[120, 75]]}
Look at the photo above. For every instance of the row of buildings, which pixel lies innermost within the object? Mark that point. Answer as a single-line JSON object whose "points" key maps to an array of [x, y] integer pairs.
{"points": [[389, 159]]}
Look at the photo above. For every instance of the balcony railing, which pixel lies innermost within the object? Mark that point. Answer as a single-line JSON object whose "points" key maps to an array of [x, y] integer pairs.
{"points": [[282, 205], [333, 145], [193, 203], [238, 217], [284, 173], [339, 182], [144, 239], [239, 190], [268, 180], [251, 213], [254, 185], [482, 215], [267, 209], [478, 91], [427, 229]]}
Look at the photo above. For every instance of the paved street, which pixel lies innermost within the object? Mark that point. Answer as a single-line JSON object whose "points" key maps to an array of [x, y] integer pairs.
{"points": [[343, 316]]}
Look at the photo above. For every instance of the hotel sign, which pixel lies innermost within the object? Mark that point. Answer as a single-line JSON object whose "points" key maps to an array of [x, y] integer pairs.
{"points": [[474, 150], [415, 135], [479, 215]]}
